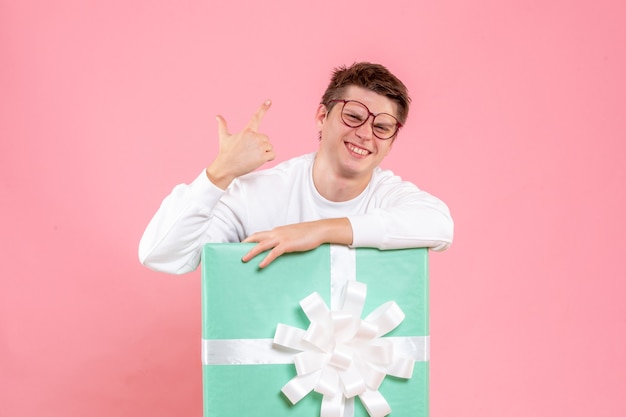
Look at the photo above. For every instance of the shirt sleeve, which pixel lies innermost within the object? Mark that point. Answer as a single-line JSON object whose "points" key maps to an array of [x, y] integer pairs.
{"points": [[172, 241], [403, 216]]}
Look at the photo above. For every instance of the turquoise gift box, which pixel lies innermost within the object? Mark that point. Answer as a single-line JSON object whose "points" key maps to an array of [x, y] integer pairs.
{"points": [[242, 305]]}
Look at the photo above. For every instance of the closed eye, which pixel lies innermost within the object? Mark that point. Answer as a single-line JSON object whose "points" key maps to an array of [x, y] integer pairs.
{"points": [[384, 129], [357, 118]]}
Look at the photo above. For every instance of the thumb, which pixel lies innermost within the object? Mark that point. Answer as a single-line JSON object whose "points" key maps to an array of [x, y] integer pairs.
{"points": [[222, 128]]}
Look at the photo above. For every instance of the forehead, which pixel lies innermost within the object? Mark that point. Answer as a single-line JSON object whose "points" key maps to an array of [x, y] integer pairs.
{"points": [[377, 103]]}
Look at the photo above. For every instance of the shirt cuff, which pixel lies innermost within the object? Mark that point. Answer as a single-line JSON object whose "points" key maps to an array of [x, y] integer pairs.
{"points": [[368, 231], [204, 191]]}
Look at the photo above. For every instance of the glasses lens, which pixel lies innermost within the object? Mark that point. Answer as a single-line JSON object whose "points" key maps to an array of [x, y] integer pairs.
{"points": [[355, 114], [385, 126]]}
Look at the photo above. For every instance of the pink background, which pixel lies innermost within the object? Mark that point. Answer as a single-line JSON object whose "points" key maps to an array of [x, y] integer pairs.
{"points": [[518, 123]]}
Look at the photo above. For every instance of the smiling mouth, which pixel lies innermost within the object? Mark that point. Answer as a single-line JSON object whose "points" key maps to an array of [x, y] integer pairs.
{"points": [[357, 150]]}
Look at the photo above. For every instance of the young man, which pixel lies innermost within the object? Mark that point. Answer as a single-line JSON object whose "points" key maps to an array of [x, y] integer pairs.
{"points": [[336, 195]]}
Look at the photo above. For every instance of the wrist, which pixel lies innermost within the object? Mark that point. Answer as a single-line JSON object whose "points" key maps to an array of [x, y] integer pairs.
{"points": [[218, 177], [337, 231]]}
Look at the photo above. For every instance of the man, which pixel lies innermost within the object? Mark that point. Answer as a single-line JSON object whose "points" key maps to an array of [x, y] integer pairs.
{"points": [[336, 195]]}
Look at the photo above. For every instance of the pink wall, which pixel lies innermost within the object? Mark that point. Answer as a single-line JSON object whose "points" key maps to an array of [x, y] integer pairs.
{"points": [[518, 124]]}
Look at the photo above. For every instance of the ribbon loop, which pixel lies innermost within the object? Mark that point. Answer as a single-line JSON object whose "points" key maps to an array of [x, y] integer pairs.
{"points": [[289, 337], [352, 382], [328, 383], [387, 317], [308, 361], [314, 307], [341, 358], [375, 403], [354, 298], [297, 388], [333, 406], [344, 325]]}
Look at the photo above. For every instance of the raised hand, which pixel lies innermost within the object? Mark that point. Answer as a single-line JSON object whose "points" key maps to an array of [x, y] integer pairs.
{"points": [[242, 152]]}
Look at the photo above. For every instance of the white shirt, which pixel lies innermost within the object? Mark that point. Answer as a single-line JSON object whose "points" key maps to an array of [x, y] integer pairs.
{"points": [[388, 214]]}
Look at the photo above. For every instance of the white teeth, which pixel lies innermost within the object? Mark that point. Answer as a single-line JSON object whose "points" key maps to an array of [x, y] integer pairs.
{"points": [[357, 150]]}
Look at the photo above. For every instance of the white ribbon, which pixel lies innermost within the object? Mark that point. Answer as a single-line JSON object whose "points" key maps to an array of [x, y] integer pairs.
{"points": [[343, 356], [264, 352]]}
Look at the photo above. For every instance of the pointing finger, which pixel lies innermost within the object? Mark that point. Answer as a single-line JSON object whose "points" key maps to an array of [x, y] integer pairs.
{"points": [[258, 116]]}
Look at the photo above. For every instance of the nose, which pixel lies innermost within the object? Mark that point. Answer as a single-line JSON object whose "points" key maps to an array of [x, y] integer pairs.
{"points": [[365, 131]]}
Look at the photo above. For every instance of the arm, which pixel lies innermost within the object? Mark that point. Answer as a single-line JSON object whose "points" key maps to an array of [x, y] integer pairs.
{"points": [[173, 239], [397, 215], [403, 217], [186, 220]]}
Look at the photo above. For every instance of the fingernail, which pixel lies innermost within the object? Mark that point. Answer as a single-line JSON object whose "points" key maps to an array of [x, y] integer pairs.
{"points": [[268, 102]]}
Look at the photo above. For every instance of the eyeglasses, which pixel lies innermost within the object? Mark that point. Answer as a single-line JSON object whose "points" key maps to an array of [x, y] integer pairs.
{"points": [[355, 114]]}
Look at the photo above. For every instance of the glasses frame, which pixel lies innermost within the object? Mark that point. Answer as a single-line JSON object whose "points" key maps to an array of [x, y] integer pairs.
{"points": [[398, 124]]}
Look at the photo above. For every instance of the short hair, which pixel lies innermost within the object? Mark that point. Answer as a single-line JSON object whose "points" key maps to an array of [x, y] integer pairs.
{"points": [[374, 77]]}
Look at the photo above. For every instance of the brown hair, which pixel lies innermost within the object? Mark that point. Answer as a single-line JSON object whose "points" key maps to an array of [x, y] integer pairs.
{"points": [[374, 77]]}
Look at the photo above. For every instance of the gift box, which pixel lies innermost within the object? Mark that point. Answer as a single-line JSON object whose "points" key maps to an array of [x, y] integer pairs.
{"points": [[245, 310]]}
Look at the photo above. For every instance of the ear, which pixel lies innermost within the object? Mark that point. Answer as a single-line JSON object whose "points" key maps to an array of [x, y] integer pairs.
{"points": [[320, 116]]}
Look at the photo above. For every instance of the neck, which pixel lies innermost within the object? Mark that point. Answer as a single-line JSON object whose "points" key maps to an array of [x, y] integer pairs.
{"points": [[334, 186]]}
